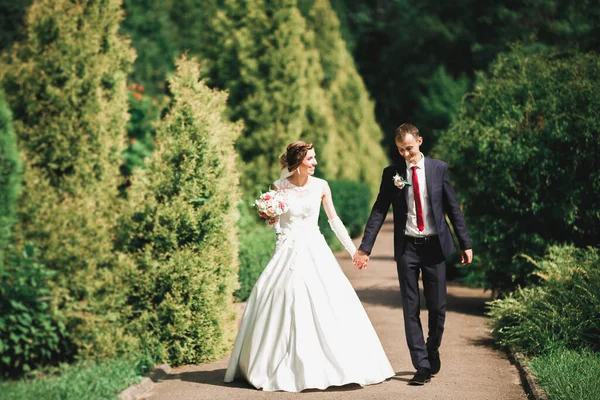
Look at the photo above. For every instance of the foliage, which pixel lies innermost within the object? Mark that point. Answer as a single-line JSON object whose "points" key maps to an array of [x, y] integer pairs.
{"points": [[562, 312], [10, 175], [11, 21], [180, 229], [153, 34], [524, 154], [257, 243], [441, 105], [257, 51], [81, 380], [65, 83], [144, 114], [352, 201], [351, 108], [290, 77], [398, 44], [568, 374], [32, 333]]}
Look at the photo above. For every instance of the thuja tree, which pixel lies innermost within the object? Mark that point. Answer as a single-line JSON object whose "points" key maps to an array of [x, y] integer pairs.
{"points": [[66, 84], [257, 52], [180, 228], [358, 148], [524, 151]]}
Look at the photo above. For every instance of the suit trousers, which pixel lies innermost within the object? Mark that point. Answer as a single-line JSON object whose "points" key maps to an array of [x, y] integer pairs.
{"points": [[429, 259]]}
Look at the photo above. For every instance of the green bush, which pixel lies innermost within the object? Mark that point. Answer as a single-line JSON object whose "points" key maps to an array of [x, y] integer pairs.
{"points": [[568, 374], [180, 229], [257, 243], [524, 154], [352, 201], [562, 312], [32, 333]]}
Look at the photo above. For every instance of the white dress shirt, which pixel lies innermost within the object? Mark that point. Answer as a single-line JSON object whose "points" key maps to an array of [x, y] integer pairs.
{"points": [[411, 220]]}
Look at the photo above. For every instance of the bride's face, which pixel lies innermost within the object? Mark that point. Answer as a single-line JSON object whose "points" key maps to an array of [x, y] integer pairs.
{"points": [[309, 163]]}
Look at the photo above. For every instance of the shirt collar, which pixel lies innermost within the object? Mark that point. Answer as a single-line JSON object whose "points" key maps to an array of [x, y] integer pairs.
{"points": [[420, 164]]}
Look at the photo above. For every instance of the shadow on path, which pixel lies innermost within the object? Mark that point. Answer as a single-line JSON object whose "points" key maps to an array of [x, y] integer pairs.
{"points": [[470, 305], [215, 378]]}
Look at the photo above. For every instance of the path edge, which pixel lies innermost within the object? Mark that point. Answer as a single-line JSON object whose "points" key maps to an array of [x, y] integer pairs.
{"points": [[139, 390], [530, 383]]}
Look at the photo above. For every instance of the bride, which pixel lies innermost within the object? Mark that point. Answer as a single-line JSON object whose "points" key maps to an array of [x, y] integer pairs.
{"points": [[304, 326]]}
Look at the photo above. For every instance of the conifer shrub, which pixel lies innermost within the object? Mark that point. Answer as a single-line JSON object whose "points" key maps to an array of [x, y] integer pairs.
{"points": [[180, 229], [353, 141], [66, 85]]}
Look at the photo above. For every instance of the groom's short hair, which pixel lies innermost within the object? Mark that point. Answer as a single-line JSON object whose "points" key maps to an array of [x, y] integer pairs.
{"points": [[406, 129]]}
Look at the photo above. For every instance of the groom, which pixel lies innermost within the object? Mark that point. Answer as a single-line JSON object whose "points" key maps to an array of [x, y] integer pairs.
{"points": [[420, 193]]}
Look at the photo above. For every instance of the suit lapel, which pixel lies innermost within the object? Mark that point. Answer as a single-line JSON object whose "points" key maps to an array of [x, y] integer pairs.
{"points": [[405, 177], [429, 177]]}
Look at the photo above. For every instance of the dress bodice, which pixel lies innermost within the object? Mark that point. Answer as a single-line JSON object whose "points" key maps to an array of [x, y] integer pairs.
{"points": [[304, 203]]}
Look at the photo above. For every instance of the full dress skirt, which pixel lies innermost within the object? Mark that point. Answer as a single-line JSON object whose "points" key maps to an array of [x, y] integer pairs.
{"points": [[304, 326]]}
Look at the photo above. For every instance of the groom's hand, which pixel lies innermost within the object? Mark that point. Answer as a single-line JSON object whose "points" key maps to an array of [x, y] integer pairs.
{"points": [[466, 256], [361, 259]]}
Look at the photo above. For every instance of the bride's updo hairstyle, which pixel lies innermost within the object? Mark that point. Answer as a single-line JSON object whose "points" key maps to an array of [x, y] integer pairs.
{"points": [[294, 155]]}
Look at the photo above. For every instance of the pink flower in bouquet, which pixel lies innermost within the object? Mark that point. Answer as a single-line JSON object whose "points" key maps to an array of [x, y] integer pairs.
{"points": [[271, 205]]}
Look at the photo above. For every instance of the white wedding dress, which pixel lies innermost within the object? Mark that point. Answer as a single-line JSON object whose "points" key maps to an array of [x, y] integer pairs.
{"points": [[304, 326]]}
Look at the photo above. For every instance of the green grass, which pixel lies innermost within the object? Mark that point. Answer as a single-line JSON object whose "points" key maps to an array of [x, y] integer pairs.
{"points": [[569, 375], [83, 380]]}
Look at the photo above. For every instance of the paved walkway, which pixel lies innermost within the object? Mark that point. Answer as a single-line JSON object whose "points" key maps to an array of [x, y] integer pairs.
{"points": [[472, 368]]}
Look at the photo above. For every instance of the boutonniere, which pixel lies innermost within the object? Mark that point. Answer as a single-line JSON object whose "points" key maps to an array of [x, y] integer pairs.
{"points": [[400, 182]]}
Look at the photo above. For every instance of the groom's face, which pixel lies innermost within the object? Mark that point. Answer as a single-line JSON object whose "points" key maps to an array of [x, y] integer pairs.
{"points": [[409, 148]]}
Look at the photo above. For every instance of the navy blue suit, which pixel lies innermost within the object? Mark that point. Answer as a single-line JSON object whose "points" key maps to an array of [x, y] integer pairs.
{"points": [[427, 257]]}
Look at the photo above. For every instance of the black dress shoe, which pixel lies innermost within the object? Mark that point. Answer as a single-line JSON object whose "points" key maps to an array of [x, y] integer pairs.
{"points": [[434, 361], [422, 376]]}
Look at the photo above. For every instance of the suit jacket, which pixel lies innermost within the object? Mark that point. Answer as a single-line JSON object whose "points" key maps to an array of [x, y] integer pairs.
{"points": [[442, 200]]}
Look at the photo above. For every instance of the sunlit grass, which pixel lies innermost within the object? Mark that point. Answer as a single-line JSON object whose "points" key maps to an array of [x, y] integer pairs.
{"points": [[90, 381], [569, 375]]}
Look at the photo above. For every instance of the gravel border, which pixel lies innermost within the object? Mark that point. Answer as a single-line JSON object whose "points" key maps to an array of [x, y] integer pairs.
{"points": [[139, 390], [528, 380]]}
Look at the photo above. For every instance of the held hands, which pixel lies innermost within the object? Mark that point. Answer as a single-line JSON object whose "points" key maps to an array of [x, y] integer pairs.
{"points": [[466, 256], [360, 259]]}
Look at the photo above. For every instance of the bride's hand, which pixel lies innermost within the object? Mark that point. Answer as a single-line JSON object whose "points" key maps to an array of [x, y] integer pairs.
{"points": [[360, 259]]}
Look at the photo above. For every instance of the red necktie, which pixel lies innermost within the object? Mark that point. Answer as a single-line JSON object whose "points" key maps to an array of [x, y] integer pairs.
{"points": [[417, 195]]}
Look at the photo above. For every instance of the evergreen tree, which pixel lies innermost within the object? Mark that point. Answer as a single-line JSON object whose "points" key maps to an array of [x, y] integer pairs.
{"points": [[256, 50], [359, 152], [180, 228], [66, 85]]}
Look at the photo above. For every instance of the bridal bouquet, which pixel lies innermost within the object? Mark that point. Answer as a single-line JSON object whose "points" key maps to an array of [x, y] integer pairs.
{"points": [[271, 205]]}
